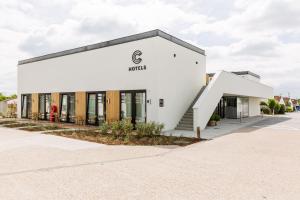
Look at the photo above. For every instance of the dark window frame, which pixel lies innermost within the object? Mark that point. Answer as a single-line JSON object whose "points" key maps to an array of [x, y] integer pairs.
{"points": [[68, 105], [133, 102], [28, 103], [96, 102], [45, 113]]}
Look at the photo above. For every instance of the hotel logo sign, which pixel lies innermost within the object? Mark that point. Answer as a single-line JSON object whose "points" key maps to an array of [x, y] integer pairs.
{"points": [[136, 59]]}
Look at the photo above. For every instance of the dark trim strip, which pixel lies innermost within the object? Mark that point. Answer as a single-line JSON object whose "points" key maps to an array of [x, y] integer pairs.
{"points": [[122, 40], [239, 73]]}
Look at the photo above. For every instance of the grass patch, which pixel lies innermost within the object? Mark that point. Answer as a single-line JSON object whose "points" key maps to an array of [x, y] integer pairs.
{"points": [[17, 125], [133, 139], [41, 128], [7, 122]]}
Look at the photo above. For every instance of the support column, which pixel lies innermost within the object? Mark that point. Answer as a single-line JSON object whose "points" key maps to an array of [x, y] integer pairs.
{"points": [[112, 106], [80, 106], [35, 106]]}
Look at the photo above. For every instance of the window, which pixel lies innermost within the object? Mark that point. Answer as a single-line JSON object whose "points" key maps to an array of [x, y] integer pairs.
{"points": [[44, 106], [26, 105], [96, 105], [67, 107], [133, 106]]}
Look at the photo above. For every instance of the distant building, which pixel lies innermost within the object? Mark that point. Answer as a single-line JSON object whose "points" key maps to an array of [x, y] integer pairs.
{"points": [[8, 108], [279, 100]]}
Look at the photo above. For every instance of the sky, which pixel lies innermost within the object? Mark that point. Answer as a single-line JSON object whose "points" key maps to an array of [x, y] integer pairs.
{"points": [[237, 35]]}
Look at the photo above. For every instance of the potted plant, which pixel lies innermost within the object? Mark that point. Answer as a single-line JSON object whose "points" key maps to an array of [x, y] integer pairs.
{"points": [[213, 120]]}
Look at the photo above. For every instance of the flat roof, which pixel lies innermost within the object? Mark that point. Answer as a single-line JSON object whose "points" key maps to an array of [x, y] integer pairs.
{"points": [[131, 38], [240, 73]]}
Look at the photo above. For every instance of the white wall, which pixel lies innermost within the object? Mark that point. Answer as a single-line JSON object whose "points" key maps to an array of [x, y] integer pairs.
{"points": [[254, 106], [3, 107], [177, 80], [229, 84]]}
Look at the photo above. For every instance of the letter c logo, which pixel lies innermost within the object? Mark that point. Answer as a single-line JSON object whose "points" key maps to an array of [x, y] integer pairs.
{"points": [[135, 57]]}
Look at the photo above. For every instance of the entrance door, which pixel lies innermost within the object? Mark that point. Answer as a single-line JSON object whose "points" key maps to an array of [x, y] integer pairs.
{"points": [[133, 106], [44, 106], [67, 107], [96, 108], [26, 106]]}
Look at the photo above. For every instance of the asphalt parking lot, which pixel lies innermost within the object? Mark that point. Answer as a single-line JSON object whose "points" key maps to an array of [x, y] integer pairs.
{"points": [[256, 162]]}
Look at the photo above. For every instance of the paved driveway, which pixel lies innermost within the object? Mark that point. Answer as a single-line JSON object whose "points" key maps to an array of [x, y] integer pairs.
{"points": [[257, 162]]}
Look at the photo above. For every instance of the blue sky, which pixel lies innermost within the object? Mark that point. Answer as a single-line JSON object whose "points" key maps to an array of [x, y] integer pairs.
{"points": [[255, 35]]}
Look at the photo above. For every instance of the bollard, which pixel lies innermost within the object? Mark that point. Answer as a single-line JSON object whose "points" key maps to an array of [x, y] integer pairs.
{"points": [[198, 132], [240, 117]]}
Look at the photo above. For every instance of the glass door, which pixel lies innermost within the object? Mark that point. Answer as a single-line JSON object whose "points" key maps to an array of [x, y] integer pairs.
{"points": [[126, 105], [26, 106], [96, 108], [133, 106], [67, 108], [140, 107], [44, 106], [101, 108]]}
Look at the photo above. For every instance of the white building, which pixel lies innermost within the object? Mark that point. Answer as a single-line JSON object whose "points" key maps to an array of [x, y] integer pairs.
{"points": [[151, 76]]}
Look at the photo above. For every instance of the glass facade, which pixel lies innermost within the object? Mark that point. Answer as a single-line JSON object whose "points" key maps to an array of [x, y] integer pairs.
{"points": [[126, 105], [96, 108], [67, 108], [26, 106], [44, 106], [233, 107], [133, 106]]}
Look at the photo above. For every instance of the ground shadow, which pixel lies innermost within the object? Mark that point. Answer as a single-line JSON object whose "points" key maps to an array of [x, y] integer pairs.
{"points": [[263, 124]]}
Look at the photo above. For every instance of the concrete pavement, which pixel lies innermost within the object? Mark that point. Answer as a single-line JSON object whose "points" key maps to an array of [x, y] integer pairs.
{"points": [[256, 162]]}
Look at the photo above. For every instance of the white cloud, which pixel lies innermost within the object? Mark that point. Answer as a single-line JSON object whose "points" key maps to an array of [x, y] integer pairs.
{"points": [[261, 36]]}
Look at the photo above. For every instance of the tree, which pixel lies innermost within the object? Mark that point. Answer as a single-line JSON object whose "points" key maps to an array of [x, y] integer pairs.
{"points": [[13, 96], [277, 108], [282, 109], [2, 97], [272, 104]]}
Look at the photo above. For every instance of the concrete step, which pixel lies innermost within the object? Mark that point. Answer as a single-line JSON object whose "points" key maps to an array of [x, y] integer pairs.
{"points": [[188, 115], [190, 122], [184, 128], [187, 121]]}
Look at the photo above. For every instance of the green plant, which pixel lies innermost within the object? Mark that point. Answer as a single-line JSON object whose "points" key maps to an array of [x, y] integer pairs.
{"points": [[272, 104], [266, 110], [126, 127], [277, 108], [158, 128], [116, 127], [263, 103], [215, 117], [289, 109], [104, 128], [149, 129], [282, 109]]}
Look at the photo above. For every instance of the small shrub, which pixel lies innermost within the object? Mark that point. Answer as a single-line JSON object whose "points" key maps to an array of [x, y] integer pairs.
{"points": [[104, 128], [215, 117], [282, 109], [149, 129], [126, 127], [263, 103], [266, 110], [158, 128], [277, 108], [116, 127], [289, 109]]}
